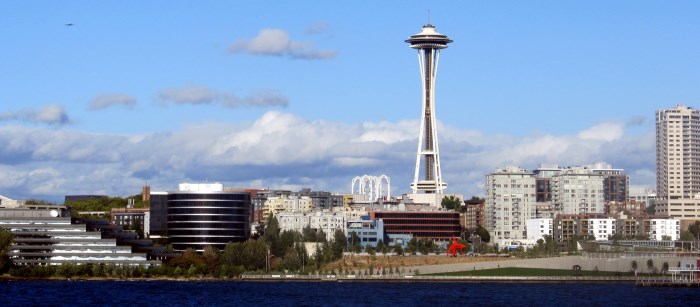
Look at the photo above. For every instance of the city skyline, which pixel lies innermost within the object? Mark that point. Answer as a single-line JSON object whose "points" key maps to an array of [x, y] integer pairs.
{"points": [[255, 95]]}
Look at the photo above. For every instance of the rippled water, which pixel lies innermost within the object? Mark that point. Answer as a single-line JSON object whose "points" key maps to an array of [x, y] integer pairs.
{"points": [[190, 293]]}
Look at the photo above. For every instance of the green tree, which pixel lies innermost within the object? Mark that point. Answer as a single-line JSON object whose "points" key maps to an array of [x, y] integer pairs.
{"points": [[354, 244], [272, 233], [687, 236], [695, 229], [211, 256], [651, 209], [232, 254], [137, 227], [634, 265], [412, 246], [286, 240], [339, 244], [664, 267], [303, 254], [650, 265], [369, 249], [398, 250], [483, 234], [291, 260], [188, 258], [381, 247], [6, 240], [254, 254], [308, 234], [321, 236], [451, 202]]}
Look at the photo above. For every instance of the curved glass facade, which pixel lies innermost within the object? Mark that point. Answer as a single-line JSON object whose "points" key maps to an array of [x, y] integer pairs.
{"points": [[196, 220]]}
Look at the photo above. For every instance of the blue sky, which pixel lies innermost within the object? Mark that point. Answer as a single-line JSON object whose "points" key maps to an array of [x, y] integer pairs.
{"points": [[312, 93]]}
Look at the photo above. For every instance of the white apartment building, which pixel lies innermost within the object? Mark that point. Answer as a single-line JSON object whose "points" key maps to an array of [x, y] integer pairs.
{"points": [[602, 229], [510, 201], [287, 203], [678, 162], [578, 190], [538, 228], [327, 221], [660, 228]]}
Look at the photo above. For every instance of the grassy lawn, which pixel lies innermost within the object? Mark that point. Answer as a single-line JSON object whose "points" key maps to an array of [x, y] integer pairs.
{"points": [[528, 272]]}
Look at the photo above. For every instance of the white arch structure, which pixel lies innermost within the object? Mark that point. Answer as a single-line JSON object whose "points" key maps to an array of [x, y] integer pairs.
{"points": [[372, 186]]}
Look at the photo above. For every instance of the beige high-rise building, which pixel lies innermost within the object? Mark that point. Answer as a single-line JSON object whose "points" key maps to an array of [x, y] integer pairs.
{"points": [[510, 201], [678, 163]]}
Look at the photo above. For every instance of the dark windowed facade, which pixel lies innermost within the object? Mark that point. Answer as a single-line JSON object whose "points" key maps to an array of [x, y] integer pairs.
{"points": [[616, 187], [543, 192], [434, 225], [159, 214], [195, 220]]}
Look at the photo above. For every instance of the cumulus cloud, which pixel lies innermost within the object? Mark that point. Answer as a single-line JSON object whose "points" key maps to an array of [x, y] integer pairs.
{"points": [[276, 42], [49, 114], [604, 132], [281, 150], [108, 100], [199, 95]]}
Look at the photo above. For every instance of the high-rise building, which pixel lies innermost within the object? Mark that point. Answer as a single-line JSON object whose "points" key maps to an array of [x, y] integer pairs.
{"points": [[678, 163], [428, 43], [510, 201]]}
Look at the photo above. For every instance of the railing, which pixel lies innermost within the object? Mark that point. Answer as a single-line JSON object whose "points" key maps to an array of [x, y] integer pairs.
{"points": [[666, 282], [394, 277], [624, 255]]}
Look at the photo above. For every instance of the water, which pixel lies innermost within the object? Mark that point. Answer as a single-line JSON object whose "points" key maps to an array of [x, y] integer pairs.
{"points": [[169, 293]]}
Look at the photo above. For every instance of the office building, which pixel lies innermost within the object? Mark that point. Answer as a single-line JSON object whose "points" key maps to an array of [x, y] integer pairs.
{"points": [[45, 236], [432, 225], [197, 215]]}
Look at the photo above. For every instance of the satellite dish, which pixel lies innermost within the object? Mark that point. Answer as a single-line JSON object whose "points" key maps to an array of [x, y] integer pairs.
{"points": [[54, 213]]}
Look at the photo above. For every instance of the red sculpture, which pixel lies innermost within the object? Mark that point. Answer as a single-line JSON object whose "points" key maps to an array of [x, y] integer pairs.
{"points": [[455, 247]]}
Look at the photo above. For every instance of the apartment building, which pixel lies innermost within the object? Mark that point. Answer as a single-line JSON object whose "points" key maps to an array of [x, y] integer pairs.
{"points": [[510, 201], [678, 163]]}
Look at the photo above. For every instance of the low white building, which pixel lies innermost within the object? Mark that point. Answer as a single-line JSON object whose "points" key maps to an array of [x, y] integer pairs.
{"points": [[602, 229], [327, 221], [6, 202], [538, 228], [660, 228]]}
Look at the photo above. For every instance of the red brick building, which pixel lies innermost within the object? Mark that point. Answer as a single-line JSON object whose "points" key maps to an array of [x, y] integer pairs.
{"points": [[434, 225]]}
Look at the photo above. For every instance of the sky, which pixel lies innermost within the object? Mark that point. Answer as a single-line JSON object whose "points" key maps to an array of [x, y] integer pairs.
{"points": [[103, 97]]}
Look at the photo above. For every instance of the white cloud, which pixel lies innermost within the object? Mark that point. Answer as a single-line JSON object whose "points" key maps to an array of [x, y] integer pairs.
{"points": [[603, 132], [108, 100], [49, 114], [285, 150], [199, 95], [276, 42]]}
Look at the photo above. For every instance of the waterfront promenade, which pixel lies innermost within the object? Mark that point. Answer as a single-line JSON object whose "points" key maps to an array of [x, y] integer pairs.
{"points": [[619, 264]]}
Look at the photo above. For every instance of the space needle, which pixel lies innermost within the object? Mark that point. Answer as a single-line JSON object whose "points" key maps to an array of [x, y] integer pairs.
{"points": [[428, 43]]}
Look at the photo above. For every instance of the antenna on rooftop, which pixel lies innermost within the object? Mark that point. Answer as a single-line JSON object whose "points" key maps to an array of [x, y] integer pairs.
{"points": [[428, 16]]}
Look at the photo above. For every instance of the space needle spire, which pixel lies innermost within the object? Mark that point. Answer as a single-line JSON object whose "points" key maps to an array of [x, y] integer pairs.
{"points": [[428, 43]]}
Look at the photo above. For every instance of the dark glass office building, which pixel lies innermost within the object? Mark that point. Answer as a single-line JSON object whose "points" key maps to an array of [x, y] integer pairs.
{"points": [[198, 219]]}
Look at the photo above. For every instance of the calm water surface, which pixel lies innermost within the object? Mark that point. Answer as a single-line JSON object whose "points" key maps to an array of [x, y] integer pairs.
{"points": [[170, 293]]}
